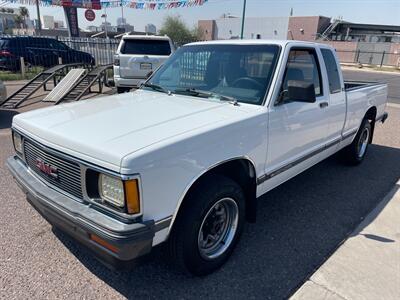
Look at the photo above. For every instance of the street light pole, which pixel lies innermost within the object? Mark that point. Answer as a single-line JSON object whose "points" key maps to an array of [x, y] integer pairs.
{"points": [[243, 17], [39, 23]]}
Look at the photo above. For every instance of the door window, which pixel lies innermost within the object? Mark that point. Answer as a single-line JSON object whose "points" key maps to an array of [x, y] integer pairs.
{"points": [[333, 72], [303, 65]]}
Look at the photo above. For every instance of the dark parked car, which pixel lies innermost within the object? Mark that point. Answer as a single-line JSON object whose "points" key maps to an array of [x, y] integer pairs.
{"points": [[38, 51]]}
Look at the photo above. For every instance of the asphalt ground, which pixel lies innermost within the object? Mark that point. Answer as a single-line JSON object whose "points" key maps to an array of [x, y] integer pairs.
{"points": [[391, 78], [300, 224]]}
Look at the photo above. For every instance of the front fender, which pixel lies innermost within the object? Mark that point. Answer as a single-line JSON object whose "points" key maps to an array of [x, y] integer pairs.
{"points": [[170, 168]]}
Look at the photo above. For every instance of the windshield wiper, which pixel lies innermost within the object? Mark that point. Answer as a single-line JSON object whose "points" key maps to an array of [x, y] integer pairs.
{"points": [[207, 94], [157, 87]]}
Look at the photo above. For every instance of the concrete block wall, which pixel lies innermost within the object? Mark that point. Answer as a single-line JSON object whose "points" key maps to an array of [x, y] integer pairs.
{"points": [[346, 51]]}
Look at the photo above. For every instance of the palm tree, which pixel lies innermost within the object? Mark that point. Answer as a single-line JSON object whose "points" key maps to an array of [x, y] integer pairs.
{"points": [[24, 13], [18, 21]]}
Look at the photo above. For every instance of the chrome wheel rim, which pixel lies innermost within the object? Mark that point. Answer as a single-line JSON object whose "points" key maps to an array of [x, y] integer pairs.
{"points": [[363, 142], [218, 229]]}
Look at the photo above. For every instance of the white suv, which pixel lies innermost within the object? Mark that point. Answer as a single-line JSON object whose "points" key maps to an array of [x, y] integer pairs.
{"points": [[137, 56]]}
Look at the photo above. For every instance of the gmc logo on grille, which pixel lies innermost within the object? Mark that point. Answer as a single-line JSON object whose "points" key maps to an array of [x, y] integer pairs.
{"points": [[47, 168]]}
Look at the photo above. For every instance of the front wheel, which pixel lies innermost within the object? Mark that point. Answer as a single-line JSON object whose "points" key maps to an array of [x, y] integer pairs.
{"points": [[356, 151], [208, 226]]}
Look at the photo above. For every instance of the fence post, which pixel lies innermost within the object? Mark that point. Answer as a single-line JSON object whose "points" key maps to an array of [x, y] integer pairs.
{"points": [[357, 55], [383, 57], [22, 62]]}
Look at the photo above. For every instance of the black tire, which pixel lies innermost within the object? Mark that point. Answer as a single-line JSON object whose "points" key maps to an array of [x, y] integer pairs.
{"points": [[354, 154], [184, 242], [121, 90]]}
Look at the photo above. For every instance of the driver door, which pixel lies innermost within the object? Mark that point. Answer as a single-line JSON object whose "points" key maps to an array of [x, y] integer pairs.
{"points": [[297, 130]]}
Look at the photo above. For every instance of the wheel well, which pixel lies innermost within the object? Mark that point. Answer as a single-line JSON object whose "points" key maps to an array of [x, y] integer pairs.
{"points": [[241, 171], [371, 116]]}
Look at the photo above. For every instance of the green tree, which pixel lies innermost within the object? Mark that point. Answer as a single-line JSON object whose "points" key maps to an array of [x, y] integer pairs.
{"points": [[19, 21], [179, 32], [24, 13]]}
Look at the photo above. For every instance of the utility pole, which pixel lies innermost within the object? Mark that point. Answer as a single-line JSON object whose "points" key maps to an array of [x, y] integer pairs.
{"points": [[39, 23], [105, 22], [122, 13], [243, 17]]}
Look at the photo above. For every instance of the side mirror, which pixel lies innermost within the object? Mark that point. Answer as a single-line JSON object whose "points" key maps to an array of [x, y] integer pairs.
{"points": [[301, 91]]}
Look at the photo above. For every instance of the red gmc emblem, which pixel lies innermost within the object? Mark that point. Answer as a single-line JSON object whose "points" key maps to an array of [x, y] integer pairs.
{"points": [[47, 168]]}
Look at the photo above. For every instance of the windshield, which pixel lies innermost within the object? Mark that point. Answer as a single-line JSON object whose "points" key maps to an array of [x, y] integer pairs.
{"points": [[242, 72], [146, 47]]}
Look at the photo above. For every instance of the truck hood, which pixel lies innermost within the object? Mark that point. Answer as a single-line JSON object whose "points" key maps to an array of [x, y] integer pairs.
{"points": [[109, 128]]}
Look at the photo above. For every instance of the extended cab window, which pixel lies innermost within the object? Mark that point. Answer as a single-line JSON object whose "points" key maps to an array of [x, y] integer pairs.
{"points": [[303, 65], [332, 69], [146, 47]]}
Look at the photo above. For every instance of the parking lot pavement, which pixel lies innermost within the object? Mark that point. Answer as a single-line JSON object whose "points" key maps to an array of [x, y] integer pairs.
{"points": [[367, 265], [392, 79]]}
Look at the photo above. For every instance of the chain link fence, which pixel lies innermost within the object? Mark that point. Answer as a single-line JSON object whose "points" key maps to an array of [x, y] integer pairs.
{"points": [[372, 58]]}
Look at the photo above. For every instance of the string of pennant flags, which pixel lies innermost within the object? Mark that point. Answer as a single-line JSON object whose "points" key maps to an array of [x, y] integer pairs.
{"points": [[153, 5], [98, 4]]}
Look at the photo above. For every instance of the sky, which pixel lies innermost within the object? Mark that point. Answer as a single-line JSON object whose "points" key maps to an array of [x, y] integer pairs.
{"points": [[357, 11]]}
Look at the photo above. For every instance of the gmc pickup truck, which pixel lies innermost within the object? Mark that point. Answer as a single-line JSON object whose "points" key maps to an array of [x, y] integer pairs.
{"points": [[183, 159]]}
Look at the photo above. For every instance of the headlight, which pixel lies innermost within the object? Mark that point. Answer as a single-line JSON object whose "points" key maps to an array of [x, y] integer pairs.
{"points": [[112, 190], [17, 142], [120, 193]]}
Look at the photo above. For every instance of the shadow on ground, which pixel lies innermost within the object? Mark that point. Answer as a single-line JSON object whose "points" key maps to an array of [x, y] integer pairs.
{"points": [[299, 225], [6, 118]]}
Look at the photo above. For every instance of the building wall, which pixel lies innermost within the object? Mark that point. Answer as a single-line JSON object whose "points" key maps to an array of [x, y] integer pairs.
{"points": [[306, 28], [394, 57], [346, 51], [151, 28], [208, 29], [262, 28], [47, 22]]}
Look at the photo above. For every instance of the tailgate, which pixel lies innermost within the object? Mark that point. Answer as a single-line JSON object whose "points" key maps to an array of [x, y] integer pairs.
{"points": [[139, 56], [134, 66]]}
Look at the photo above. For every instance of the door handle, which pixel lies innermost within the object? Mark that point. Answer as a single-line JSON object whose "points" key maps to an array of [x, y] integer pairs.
{"points": [[323, 104]]}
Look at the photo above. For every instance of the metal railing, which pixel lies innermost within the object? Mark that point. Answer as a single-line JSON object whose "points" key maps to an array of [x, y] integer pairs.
{"points": [[46, 52]]}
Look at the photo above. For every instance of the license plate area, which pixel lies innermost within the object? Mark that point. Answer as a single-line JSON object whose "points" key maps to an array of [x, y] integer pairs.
{"points": [[146, 66]]}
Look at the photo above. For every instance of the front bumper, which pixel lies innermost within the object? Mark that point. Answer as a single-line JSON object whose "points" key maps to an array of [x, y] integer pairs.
{"points": [[80, 220]]}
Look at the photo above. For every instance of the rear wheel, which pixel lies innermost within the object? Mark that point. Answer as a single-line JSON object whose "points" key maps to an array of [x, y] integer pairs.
{"points": [[209, 226], [356, 151]]}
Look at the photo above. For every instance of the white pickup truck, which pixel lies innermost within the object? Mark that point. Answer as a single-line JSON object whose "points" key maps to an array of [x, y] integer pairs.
{"points": [[183, 159]]}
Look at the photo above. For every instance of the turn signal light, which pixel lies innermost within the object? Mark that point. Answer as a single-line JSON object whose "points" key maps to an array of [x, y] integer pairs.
{"points": [[132, 196]]}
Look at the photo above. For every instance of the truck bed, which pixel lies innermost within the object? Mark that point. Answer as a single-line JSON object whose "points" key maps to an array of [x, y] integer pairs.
{"points": [[354, 85], [360, 96]]}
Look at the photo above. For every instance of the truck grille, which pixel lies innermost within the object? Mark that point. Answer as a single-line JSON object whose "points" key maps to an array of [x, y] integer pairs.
{"points": [[65, 175]]}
